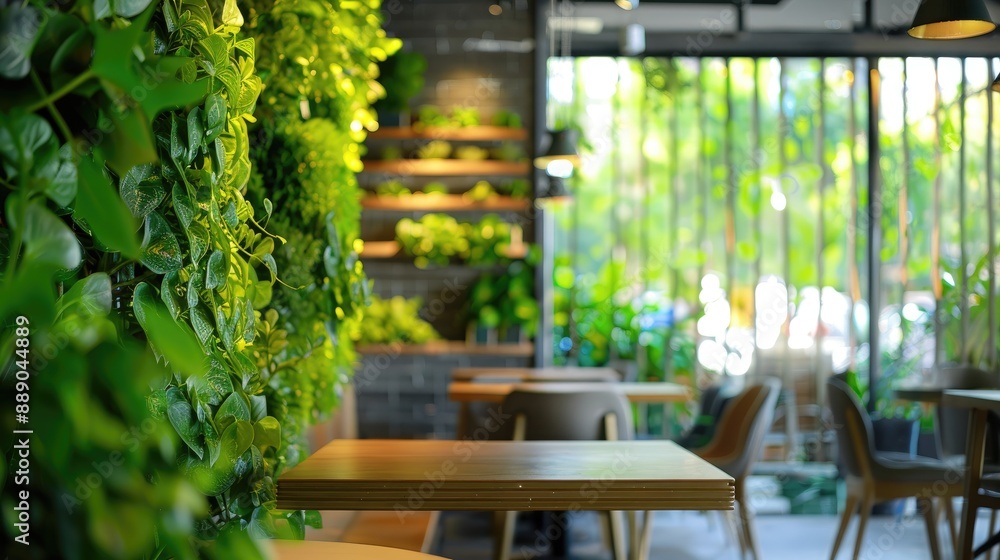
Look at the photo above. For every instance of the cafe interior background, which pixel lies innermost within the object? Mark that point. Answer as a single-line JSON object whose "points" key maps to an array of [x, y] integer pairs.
{"points": [[234, 231]]}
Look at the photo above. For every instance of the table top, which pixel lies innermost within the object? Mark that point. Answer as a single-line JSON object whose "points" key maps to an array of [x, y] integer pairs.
{"points": [[469, 475], [988, 399], [539, 374], [307, 550], [920, 393], [466, 391]]}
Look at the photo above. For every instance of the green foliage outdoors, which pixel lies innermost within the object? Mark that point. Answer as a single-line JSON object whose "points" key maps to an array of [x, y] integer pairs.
{"points": [[394, 320], [163, 391]]}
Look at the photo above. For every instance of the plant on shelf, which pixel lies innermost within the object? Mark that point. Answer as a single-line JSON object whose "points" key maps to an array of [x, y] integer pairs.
{"points": [[440, 238], [471, 153], [392, 188], [435, 149], [506, 302], [516, 188], [394, 320], [319, 66], [480, 192], [508, 151], [506, 118]]}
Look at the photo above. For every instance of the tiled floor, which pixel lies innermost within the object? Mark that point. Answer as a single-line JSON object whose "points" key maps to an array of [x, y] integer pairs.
{"points": [[697, 536], [691, 536]]}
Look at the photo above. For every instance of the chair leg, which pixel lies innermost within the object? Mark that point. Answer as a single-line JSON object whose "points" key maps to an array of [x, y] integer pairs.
{"points": [[504, 523], [975, 447], [845, 520], [616, 523], [746, 520], [926, 505], [993, 530], [647, 534], [948, 505], [866, 509], [732, 521]]}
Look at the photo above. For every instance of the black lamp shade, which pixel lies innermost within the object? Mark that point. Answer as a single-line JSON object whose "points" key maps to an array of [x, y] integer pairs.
{"points": [[951, 19], [561, 147]]}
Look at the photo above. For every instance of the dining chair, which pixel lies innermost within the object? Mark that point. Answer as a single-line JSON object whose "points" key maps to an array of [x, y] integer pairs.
{"points": [[735, 446], [555, 415], [713, 401], [873, 476]]}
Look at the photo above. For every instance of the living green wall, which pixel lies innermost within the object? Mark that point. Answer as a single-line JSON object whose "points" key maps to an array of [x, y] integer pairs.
{"points": [[141, 294]]}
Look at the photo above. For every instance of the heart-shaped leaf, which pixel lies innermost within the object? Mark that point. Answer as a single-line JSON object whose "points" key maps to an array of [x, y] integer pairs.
{"points": [[183, 206], [235, 407], [258, 407], [47, 239], [217, 271], [171, 338], [19, 25], [161, 252], [203, 327], [102, 208], [142, 190], [168, 293], [90, 296], [267, 433], [236, 440], [198, 238], [181, 417]]}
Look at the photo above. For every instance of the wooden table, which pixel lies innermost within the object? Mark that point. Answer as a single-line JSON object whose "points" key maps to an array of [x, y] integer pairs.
{"points": [[466, 392], [317, 550], [981, 402], [428, 475], [539, 374]]}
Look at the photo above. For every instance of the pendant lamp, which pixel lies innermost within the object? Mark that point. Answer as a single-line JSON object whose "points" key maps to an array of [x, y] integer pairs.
{"points": [[951, 19]]}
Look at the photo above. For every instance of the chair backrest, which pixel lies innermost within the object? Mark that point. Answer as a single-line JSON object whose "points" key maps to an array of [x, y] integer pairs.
{"points": [[855, 456], [553, 414], [953, 423], [739, 435], [713, 401]]}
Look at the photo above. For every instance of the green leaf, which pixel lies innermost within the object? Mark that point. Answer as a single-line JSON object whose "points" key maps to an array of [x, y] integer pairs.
{"points": [[160, 251], [130, 141], [267, 433], [123, 8], [215, 117], [236, 440], [174, 340], [195, 132], [234, 407], [18, 33], [103, 210], [142, 190], [181, 417], [168, 293], [47, 239], [60, 178], [258, 407], [20, 137], [209, 481], [229, 215], [202, 325], [198, 238], [314, 519], [92, 295], [217, 271], [195, 284], [183, 206], [231, 15]]}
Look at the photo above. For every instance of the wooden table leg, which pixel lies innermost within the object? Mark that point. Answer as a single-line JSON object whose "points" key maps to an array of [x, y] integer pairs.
{"points": [[975, 448], [462, 424]]}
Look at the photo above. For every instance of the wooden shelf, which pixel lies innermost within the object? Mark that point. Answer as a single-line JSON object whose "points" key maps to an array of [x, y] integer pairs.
{"points": [[392, 250], [450, 167], [470, 133], [442, 203], [449, 347]]}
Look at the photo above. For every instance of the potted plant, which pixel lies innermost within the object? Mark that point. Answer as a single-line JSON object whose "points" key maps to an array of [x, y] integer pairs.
{"points": [[402, 76]]}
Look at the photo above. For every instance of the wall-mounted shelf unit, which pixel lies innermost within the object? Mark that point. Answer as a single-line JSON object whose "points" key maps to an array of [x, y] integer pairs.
{"points": [[392, 250], [448, 167], [470, 133], [448, 348], [443, 203]]}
